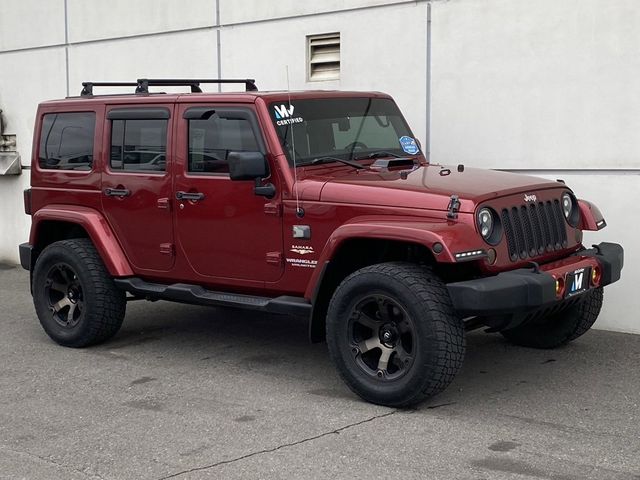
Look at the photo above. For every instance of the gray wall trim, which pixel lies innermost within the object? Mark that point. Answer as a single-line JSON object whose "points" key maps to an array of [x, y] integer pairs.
{"points": [[218, 44], [427, 138], [574, 171], [111, 39], [66, 46], [316, 14]]}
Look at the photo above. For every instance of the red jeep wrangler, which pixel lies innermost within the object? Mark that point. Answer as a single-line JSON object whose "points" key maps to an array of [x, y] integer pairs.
{"points": [[315, 204]]}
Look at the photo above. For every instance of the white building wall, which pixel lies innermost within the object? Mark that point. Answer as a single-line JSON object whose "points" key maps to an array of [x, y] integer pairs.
{"points": [[91, 20], [381, 49], [544, 84], [551, 88], [546, 87]]}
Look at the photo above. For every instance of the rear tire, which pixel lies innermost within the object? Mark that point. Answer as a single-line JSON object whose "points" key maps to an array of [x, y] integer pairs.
{"points": [[560, 328], [75, 298], [393, 335]]}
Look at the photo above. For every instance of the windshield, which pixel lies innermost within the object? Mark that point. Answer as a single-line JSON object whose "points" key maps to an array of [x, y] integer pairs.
{"points": [[344, 128]]}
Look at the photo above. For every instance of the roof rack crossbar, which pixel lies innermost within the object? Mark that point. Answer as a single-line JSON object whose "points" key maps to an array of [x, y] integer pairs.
{"points": [[142, 84], [194, 83], [87, 87]]}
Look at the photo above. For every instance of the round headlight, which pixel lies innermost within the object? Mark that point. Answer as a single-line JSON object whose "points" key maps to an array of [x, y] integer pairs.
{"points": [[570, 209], [485, 223], [567, 204]]}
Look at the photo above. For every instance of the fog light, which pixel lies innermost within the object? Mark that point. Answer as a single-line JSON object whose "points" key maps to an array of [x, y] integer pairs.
{"points": [[596, 275], [559, 287], [491, 256]]}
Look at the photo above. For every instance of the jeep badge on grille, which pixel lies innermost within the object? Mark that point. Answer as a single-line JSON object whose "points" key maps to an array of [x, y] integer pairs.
{"points": [[530, 197]]}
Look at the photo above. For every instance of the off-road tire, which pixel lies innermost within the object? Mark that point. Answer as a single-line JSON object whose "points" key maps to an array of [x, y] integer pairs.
{"points": [[103, 304], [560, 328], [439, 345]]}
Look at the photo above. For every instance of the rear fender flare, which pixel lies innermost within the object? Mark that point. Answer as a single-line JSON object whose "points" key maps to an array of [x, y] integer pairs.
{"points": [[96, 227]]}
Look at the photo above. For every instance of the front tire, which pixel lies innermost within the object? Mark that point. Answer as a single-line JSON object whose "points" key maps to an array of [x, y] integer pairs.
{"points": [[76, 300], [561, 328], [393, 335]]}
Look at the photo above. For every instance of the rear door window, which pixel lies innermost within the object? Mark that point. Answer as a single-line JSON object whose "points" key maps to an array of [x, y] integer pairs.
{"points": [[139, 145], [66, 141]]}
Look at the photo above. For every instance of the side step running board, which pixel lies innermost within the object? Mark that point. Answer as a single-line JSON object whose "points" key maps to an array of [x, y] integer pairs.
{"points": [[195, 294]]}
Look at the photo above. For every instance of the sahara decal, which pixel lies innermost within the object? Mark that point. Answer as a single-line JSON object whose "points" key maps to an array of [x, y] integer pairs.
{"points": [[301, 249]]}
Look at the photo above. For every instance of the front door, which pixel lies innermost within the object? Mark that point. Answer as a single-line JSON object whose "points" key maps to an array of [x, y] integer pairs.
{"points": [[136, 184], [223, 228]]}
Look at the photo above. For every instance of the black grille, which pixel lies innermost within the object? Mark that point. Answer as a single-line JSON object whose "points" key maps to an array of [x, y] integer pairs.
{"points": [[534, 228]]}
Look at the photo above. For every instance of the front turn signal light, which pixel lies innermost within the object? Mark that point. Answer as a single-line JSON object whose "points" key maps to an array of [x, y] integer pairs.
{"points": [[559, 287], [596, 276]]}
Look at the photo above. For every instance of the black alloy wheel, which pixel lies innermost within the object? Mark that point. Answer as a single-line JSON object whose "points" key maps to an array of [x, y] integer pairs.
{"points": [[64, 294], [393, 335], [382, 335], [76, 300]]}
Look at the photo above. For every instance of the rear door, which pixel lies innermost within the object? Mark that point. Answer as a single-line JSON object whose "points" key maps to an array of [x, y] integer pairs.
{"points": [[136, 185], [223, 228]]}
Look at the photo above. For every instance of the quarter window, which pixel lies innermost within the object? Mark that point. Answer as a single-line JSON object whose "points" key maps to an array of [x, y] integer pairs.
{"points": [[139, 145], [211, 140], [66, 141]]}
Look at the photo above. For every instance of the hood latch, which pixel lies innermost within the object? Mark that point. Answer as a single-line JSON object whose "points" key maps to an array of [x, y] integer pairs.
{"points": [[454, 207]]}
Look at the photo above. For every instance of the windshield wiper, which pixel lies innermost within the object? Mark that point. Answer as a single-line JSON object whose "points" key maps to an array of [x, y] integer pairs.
{"points": [[378, 154], [318, 160]]}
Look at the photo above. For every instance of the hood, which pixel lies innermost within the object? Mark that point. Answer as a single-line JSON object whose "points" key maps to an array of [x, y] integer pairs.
{"points": [[428, 186]]}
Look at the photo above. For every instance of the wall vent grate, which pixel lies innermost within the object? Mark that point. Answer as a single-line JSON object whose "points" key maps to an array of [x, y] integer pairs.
{"points": [[323, 52]]}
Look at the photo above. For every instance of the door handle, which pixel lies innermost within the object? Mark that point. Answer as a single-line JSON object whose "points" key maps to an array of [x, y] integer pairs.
{"points": [[190, 196], [117, 192]]}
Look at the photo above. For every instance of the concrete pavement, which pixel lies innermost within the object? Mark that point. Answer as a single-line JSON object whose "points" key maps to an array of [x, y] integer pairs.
{"points": [[191, 392]]}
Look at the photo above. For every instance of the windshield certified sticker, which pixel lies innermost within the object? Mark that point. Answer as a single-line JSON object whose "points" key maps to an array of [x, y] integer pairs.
{"points": [[409, 145], [284, 115]]}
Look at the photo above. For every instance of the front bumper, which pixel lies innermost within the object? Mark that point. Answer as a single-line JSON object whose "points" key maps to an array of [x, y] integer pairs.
{"points": [[523, 290]]}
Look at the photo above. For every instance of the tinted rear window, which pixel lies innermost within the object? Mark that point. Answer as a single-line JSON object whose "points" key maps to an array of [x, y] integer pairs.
{"points": [[139, 145], [66, 141]]}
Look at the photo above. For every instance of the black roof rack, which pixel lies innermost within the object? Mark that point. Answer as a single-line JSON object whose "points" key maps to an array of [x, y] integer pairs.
{"points": [[87, 87], [142, 84]]}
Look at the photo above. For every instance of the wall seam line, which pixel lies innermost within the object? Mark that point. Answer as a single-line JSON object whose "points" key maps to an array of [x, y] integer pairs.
{"points": [[427, 139], [66, 45], [218, 44]]}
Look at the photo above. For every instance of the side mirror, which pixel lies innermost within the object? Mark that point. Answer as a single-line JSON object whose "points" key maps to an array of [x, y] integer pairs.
{"points": [[247, 165]]}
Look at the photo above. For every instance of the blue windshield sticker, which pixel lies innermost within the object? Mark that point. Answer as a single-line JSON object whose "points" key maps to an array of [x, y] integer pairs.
{"points": [[409, 145]]}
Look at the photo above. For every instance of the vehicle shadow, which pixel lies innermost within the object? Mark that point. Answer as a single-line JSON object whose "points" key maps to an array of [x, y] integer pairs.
{"points": [[278, 346]]}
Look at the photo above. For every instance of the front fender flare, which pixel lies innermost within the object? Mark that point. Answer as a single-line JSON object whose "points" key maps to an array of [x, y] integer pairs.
{"points": [[591, 217], [453, 236], [96, 227]]}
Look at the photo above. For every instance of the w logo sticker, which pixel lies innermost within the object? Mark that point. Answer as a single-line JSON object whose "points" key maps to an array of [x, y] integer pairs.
{"points": [[577, 282], [283, 111]]}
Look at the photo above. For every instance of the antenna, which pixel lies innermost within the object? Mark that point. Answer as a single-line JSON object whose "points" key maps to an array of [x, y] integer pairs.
{"points": [[299, 210]]}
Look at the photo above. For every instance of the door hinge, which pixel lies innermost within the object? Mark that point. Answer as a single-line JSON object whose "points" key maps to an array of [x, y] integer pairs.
{"points": [[166, 248], [274, 258], [273, 209], [164, 204]]}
